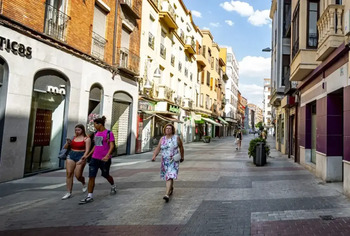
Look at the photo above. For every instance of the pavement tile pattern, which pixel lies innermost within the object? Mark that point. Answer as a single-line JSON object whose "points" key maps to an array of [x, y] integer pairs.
{"points": [[219, 192]]}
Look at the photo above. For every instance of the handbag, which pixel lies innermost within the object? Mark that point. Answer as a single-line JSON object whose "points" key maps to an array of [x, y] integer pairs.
{"points": [[177, 157], [63, 154]]}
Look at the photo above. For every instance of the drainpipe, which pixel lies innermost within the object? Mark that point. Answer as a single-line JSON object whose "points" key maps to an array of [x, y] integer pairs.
{"points": [[115, 31]]}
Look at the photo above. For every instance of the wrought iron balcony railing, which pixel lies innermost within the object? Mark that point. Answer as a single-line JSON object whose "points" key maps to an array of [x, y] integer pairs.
{"points": [[56, 23], [98, 46], [128, 62]]}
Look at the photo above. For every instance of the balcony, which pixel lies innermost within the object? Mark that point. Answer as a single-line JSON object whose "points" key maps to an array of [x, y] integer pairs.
{"points": [[167, 15], [128, 62], [151, 40], [201, 58], [330, 27], [56, 23], [98, 46], [190, 46], [303, 63], [131, 7]]}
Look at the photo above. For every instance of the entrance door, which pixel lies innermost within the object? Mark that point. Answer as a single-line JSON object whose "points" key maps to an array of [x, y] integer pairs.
{"points": [[313, 133], [291, 137], [46, 124], [121, 123]]}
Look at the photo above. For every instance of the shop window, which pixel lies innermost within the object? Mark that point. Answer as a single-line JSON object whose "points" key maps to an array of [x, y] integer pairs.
{"points": [[95, 106], [47, 131], [3, 95]]}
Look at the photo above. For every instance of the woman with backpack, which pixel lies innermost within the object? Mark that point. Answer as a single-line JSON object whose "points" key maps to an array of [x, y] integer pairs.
{"points": [[101, 158]]}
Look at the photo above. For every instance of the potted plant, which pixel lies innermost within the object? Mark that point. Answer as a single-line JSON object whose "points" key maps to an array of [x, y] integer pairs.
{"points": [[253, 150], [206, 139]]}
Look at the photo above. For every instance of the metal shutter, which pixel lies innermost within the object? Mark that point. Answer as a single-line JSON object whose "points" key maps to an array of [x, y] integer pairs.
{"points": [[120, 128]]}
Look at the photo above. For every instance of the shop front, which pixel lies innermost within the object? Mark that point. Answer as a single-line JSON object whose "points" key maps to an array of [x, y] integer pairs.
{"points": [[47, 121], [145, 118], [121, 122]]}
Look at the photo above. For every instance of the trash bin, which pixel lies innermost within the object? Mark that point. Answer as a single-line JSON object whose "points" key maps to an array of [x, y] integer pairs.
{"points": [[260, 154]]}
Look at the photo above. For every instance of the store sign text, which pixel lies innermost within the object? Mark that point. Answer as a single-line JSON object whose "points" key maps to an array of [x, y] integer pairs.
{"points": [[15, 47], [55, 90]]}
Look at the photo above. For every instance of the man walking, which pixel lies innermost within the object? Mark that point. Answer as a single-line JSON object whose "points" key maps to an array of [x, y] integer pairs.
{"points": [[101, 158]]}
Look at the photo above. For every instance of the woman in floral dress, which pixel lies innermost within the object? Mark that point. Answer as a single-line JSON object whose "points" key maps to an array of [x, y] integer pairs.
{"points": [[169, 145]]}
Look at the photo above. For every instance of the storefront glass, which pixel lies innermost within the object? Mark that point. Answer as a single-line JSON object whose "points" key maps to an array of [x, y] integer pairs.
{"points": [[3, 95], [46, 124], [95, 106]]}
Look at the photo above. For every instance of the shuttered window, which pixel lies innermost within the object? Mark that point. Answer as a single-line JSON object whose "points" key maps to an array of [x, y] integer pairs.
{"points": [[125, 38], [99, 26]]}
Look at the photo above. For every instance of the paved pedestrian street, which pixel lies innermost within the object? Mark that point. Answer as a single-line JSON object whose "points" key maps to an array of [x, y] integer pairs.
{"points": [[219, 192]]}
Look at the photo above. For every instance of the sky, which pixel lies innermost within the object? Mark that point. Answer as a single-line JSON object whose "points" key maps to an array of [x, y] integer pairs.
{"points": [[245, 26]]}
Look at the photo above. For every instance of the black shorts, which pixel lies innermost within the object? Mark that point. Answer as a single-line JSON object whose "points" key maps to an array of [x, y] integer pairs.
{"points": [[96, 164]]}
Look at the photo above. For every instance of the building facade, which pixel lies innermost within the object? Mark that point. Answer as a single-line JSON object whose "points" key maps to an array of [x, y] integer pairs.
{"points": [[231, 107], [267, 120], [78, 66]]}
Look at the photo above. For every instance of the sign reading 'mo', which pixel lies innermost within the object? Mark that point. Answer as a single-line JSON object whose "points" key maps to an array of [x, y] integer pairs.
{"points": [[55, 90]]}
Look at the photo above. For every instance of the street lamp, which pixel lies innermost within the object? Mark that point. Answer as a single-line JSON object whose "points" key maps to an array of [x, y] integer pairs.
{"points": [[268, 49]]}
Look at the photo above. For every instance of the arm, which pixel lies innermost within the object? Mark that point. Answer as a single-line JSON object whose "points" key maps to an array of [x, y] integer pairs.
{"points": [[181, 146], [87, 147], [111, 147], [156, 151]]}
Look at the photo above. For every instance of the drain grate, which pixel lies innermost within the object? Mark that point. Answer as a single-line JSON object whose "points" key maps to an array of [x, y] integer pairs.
{"points": [[327, 217]]}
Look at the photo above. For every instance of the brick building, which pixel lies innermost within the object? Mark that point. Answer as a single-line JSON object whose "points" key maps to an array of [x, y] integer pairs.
{"points": [[62, 63]]}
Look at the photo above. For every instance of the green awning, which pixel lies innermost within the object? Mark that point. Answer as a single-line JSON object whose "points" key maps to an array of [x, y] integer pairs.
{"points": [[211, 121], [223, 121]]}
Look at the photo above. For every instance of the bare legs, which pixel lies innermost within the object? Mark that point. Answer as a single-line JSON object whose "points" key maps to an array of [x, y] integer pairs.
{"points": [[72, 168]]}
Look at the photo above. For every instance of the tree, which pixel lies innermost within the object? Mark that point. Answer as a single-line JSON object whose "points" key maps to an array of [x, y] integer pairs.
{"points": [[260, 126]]}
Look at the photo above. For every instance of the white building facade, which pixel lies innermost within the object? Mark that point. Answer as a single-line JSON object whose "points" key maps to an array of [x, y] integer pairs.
{"points": [[232, 70], [168, 71]]}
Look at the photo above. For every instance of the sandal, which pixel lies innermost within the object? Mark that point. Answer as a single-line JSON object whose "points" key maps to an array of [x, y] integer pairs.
{"points": [[166, 198]]}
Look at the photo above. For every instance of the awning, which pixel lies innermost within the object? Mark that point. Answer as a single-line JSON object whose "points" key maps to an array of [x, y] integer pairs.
{"points": [[223, 121], [161, 116], [211, 121], [166, 118]]}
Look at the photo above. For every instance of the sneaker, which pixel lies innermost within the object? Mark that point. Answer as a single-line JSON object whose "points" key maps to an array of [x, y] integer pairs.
{"points": [[84, 189], [86, 200], [66, 196], [166, 198], [113, 190]]}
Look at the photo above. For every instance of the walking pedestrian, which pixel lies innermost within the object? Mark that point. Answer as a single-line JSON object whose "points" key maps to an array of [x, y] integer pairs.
{"points": [[80, 147], [169, 145], [239, 137], [101, 158]]}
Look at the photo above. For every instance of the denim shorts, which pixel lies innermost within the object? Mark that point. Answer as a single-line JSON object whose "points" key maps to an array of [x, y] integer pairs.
{"points": [[96, 164], [75, 156]]}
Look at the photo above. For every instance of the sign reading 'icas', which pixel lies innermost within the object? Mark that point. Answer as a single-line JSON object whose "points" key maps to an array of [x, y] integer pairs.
{"points": [[15, 47]]}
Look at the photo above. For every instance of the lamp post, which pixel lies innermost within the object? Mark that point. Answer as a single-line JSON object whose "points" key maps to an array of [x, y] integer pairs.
{"points": [[268, 49]]}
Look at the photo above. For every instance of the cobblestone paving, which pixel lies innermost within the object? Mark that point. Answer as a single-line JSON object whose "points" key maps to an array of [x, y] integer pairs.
{"points": [[219, 192]]}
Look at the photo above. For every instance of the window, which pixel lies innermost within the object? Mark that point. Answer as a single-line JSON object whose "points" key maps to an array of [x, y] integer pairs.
{"points": [[285, 70], [208, 78], [312, 36], [56, 21], [201, 100], [286, 18], [295, 38], [98, 34]]}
